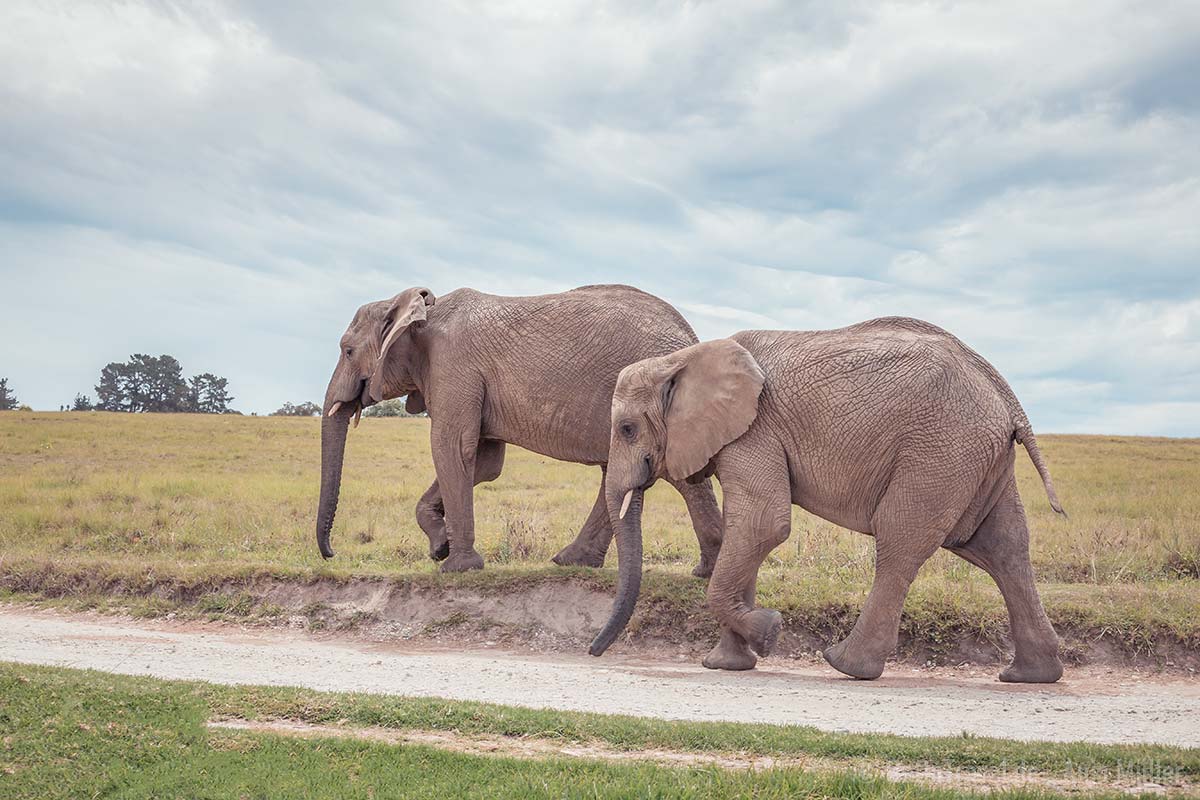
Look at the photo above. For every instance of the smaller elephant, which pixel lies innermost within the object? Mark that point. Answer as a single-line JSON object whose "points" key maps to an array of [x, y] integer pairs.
{"points": [[892, 427]]}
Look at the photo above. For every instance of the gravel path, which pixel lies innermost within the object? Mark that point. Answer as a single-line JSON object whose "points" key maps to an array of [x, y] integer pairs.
{"points": [[1094, 707]]}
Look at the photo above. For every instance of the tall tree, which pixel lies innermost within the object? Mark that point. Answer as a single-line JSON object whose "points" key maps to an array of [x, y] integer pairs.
{"points": [[208, 394], [112, 392], [165, 388], [156, 384], [8, 400]]}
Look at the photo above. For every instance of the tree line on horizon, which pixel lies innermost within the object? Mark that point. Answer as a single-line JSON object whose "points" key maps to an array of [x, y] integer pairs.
{"points": [[150, 384], [146, 383]]}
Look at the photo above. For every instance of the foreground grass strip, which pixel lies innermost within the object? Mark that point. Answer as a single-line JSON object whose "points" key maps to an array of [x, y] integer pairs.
{"points": [[638, 733], [69, 733], [86, 735], [528, 747]]}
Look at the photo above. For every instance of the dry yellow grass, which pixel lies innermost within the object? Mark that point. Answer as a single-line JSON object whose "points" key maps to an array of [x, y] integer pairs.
{"points": [[175, 490]]}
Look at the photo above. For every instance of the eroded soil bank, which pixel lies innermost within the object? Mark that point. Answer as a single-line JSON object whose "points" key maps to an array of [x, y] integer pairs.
{"points": [[561, 613]]}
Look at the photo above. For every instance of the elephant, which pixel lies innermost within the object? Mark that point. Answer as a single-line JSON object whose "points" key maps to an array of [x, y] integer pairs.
{"points": [[891, 427], [537, 372]]}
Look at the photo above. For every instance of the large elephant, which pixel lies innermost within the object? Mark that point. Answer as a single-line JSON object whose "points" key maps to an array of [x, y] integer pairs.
{"points": [[537, 372], [891, 427]]}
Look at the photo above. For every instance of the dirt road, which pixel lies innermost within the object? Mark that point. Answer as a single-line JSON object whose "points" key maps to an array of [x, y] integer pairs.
{"points": [[1092, 706]]}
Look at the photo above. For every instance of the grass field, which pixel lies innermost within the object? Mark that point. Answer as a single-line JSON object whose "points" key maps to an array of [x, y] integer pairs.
{"points": [[205, 497], [68, 733]]}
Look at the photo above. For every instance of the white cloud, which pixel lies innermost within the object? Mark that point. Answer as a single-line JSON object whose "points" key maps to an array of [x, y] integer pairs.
{"points": [[229, 181]]}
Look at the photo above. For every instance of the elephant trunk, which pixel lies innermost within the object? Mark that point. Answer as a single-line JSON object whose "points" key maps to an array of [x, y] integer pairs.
{"points": [[626, 515], [333, 450]]}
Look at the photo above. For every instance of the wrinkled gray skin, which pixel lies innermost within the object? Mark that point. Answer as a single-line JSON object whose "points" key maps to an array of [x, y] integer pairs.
{"points": [[891, 427], [537, 372]]}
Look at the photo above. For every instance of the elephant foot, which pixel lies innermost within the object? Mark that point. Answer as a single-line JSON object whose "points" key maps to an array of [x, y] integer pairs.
{"points": [[439, 551], [705, 568], [462, 562], [731, 653], [577, 555], [762, 629], [848, 663], [1045, 671]]}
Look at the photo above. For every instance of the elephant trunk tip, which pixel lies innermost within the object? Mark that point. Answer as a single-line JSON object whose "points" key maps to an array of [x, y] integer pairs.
{"points": [[333, 447], [629, 570]]}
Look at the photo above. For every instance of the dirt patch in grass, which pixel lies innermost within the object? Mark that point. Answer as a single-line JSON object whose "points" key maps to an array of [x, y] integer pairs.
{"points": [[528, 747], [558, 610]]}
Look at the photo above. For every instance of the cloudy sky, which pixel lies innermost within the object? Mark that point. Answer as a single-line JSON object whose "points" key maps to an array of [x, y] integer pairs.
{"points": [[227, 182]]}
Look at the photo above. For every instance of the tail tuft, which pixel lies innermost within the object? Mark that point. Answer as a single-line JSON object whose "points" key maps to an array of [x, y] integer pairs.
{"points": [[1024, 436]]}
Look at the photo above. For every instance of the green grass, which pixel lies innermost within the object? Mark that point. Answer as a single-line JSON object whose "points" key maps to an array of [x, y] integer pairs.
{"points": [[124, 500], [69, 733]]}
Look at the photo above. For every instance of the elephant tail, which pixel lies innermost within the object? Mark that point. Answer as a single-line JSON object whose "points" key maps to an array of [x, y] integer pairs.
{"points": [[1022, 430], [1024, 435]]}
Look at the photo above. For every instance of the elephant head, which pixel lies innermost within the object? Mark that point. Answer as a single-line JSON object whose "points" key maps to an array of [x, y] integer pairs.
{"points": [[360, 379], [671, 415]]}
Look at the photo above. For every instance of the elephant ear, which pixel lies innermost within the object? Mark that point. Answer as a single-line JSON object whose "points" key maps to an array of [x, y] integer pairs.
{"points": [[710, 400], [403, 311]]}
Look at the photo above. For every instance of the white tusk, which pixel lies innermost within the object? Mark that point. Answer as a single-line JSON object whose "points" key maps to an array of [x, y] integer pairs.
{"points": [[357, 415], [625, 504], [334, 409]]}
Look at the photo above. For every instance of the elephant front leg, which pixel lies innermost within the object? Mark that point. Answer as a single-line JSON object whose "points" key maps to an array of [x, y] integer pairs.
{"points": [[732, 651], [756, 520], [431, 511], [591, 544], [454, 452]]}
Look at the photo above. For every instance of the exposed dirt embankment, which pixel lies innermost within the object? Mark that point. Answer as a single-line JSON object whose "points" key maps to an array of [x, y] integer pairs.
{"points": [[557, 611]]}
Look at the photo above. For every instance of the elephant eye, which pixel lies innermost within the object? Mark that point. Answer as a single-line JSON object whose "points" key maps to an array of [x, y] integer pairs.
{"points": [[349, 352], [627, 430]]}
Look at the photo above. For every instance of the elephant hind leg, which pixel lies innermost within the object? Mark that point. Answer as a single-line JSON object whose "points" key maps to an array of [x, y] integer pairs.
{"points": [[706, 521], [876, 631], [431, 517], [1001, 548], [591, 543], [904, 540]]}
